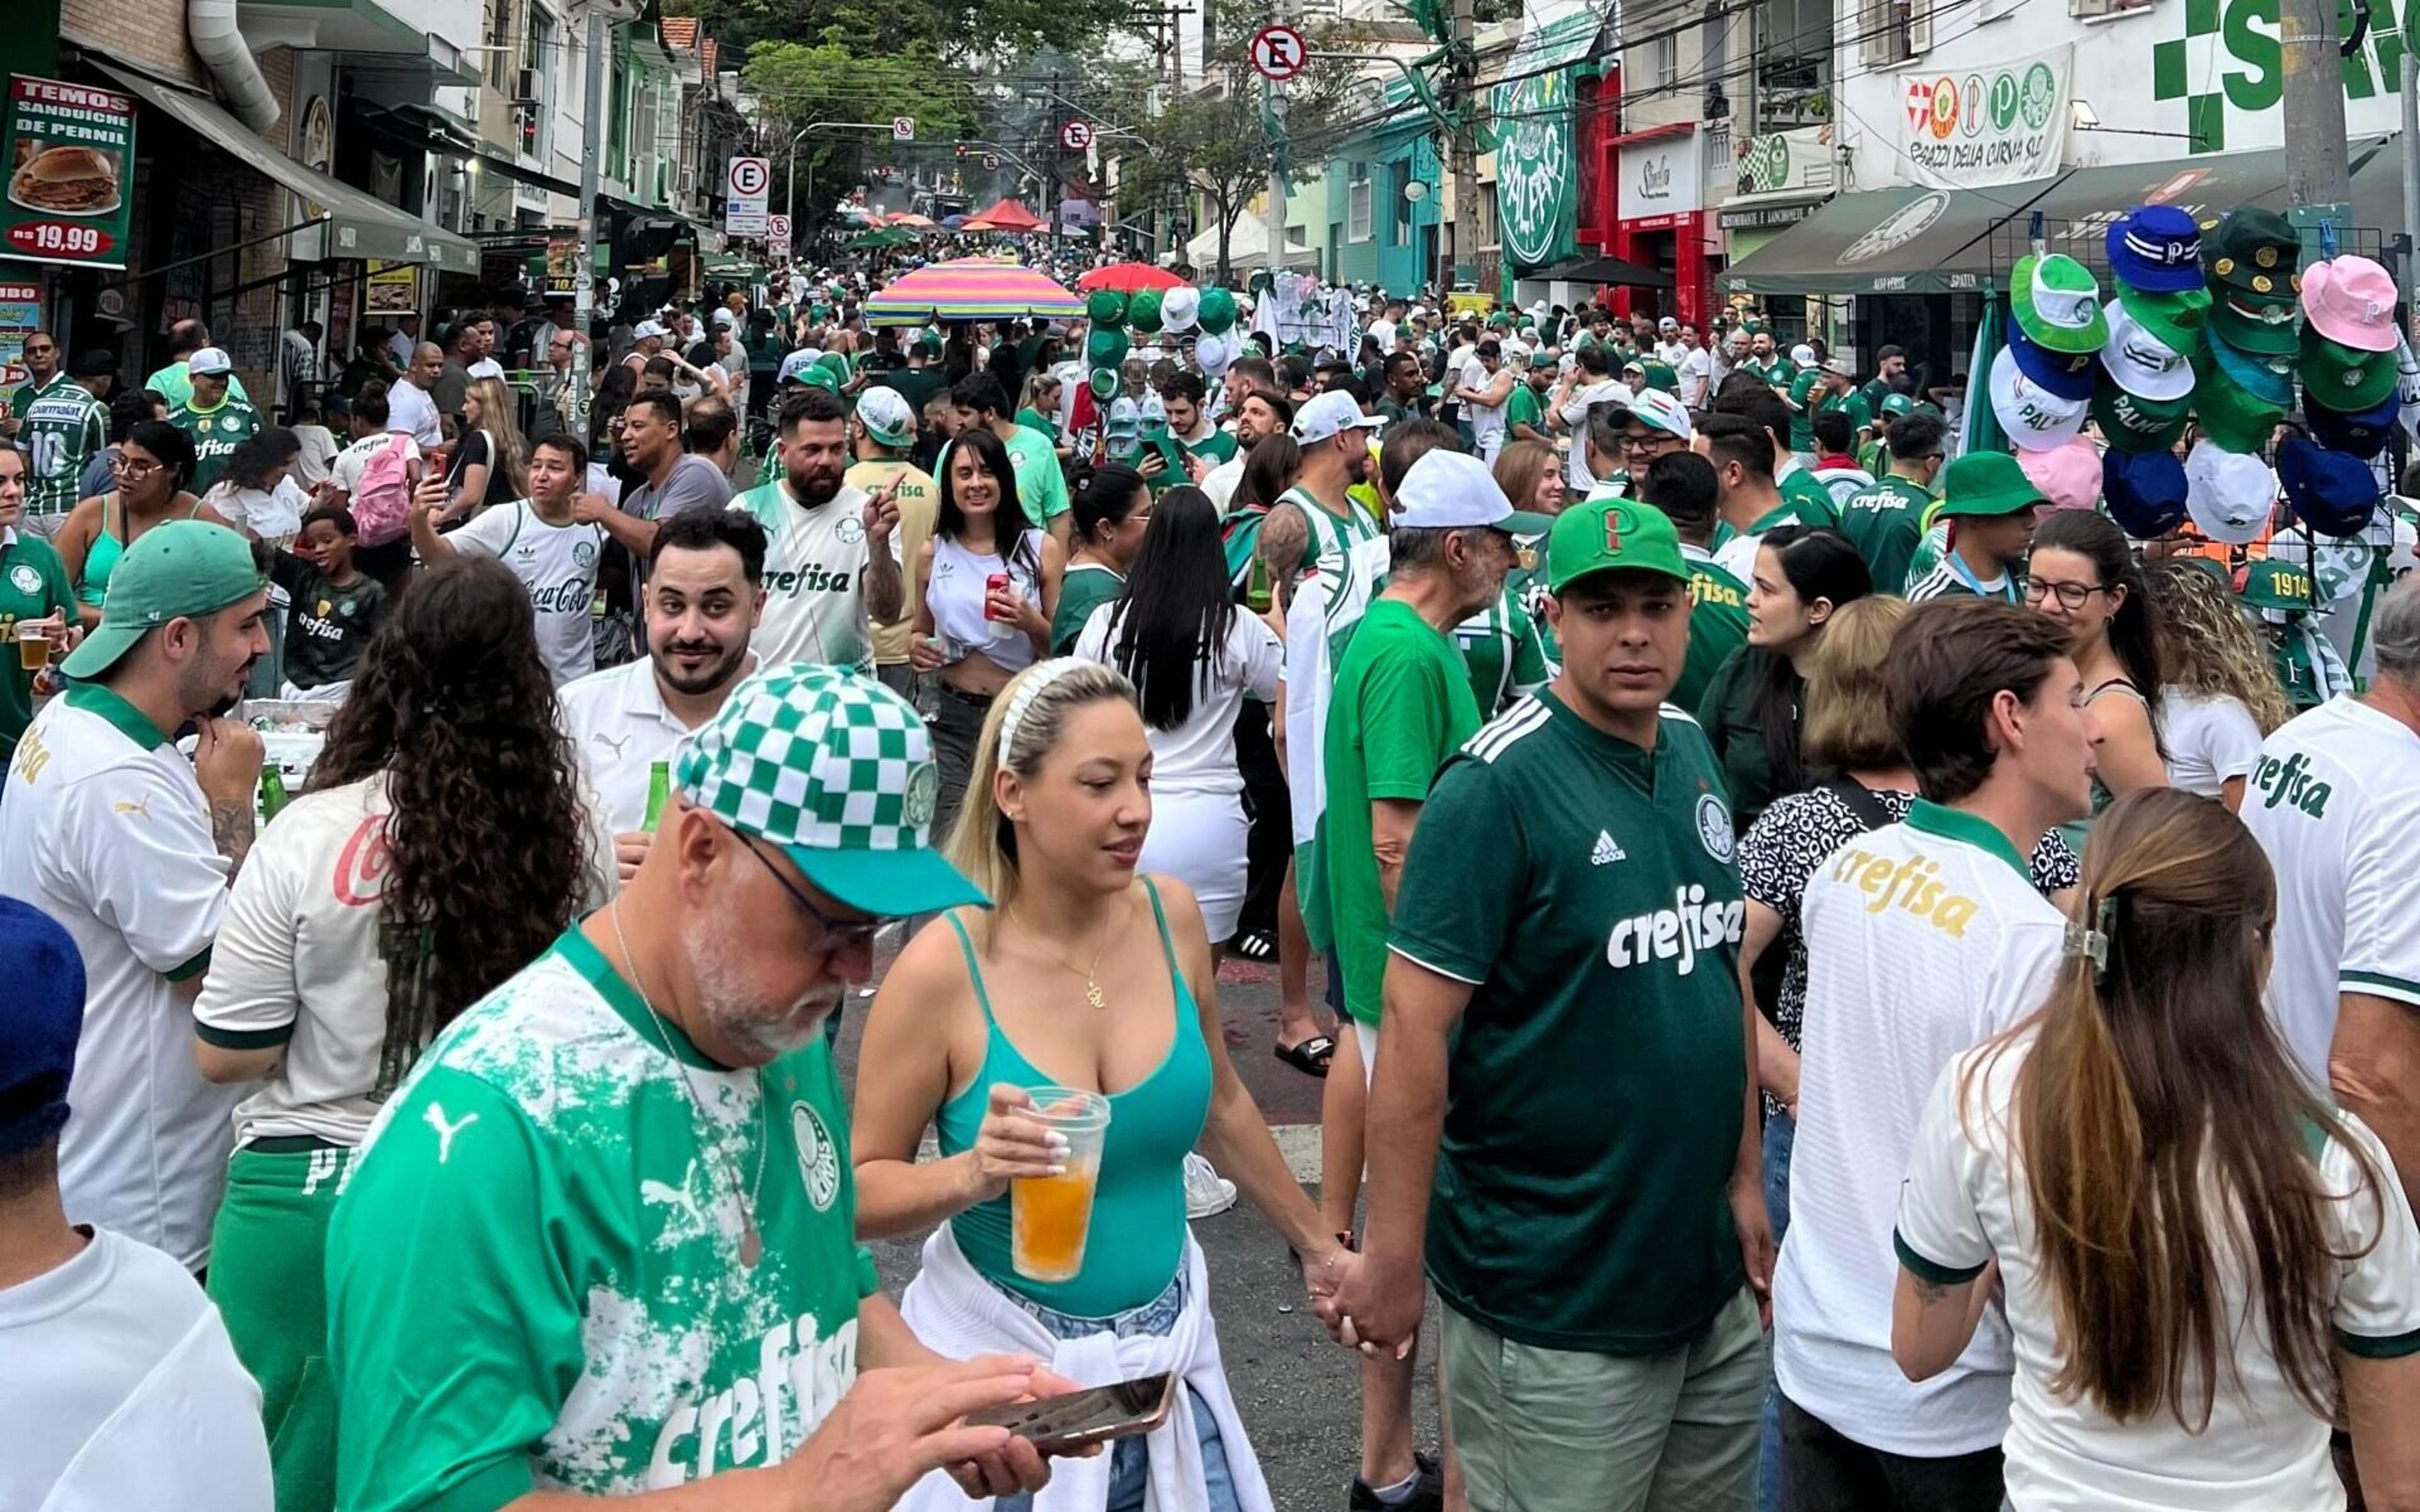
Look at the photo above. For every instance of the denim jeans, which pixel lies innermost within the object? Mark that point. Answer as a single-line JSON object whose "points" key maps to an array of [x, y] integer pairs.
{"points": [[1129, 1458], [1780, 1133]]}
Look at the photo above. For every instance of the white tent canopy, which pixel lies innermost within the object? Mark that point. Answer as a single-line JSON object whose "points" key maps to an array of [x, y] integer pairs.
{"points": [[1248, 247]]}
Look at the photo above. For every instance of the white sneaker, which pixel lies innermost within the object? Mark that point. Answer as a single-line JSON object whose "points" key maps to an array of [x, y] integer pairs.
{"points": [[1207, 1192]]}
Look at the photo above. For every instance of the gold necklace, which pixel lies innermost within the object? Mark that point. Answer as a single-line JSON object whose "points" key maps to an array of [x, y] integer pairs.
{"points": [[1091, 986]]}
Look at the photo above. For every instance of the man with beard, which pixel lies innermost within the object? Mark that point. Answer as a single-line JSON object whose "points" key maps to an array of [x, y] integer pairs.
{"points": [[61, 425], [1347, 548], [105, 827], [601, 1241], [706, 576], [1261, 413], [551, 540], [832, 568]]}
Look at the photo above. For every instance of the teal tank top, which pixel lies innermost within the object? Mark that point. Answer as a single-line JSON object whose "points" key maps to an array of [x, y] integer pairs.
{"points": [[107, 547], [1138, 1230]]}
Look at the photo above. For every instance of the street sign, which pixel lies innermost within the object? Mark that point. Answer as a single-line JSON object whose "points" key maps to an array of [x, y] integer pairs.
{"points": [[903, 128], [991, 161], [777, 237], [1075, 135], [746, 185], [1279, 53]]}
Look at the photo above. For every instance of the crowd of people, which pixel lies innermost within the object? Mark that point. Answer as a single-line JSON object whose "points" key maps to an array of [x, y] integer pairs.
{"points": [[1855, 981]]}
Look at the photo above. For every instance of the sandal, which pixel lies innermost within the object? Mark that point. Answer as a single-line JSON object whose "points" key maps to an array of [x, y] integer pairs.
{"points": [[1311, 1056]]}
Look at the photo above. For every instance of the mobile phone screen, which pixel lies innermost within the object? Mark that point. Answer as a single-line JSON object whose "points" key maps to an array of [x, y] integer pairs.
{"points": [[1084, 1416]]}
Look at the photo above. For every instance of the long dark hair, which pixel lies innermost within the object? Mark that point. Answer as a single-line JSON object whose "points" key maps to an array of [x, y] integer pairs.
{"points": [[255, 458], [173, 447], [1010, 522], [1270, 470], [2134, 629], [1103, 496], [612, 395], [1820, 565], [483, 865], [1173, 615], [2166, 1134]]}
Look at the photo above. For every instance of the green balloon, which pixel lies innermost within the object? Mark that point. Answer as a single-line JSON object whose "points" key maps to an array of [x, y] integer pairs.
{"points": [[1104, 383], [1143, 311], [1218, 310], [1106, 347], [1106, 307]]}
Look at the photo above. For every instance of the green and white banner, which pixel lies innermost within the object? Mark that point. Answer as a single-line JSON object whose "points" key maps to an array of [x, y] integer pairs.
{"points": [[1537, 174], [2002, 124]]}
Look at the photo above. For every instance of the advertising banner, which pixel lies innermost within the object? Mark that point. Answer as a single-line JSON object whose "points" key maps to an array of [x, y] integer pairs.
{"points": [[1662, 180], [21, 316], [2003, 124], [68, 152]]}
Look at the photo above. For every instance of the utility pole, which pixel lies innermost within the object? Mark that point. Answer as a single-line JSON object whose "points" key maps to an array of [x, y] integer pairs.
{"points": [[2410, 183], [1464, 63], [583, 278], [2316, 177]]}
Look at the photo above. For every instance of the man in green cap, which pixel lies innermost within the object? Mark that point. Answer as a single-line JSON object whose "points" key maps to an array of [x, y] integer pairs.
{"points": [[1989, 505], [1874, 455], [1886, 521], [216, 419], [108, 829], [629, 1165], [1598, 1238], [2306, 661], [1524, 412]]}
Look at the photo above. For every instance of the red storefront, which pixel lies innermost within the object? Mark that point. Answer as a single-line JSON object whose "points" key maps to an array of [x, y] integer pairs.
{"points": [[1649, 209]]}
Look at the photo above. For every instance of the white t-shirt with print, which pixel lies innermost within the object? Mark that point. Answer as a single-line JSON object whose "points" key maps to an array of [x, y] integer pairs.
{"points": [[1966, 1201], [103, 828], [557, 564], [1923, 938], [411, 411], [2211, 737], [815, 563], [2335, 802], [346, 468], [126, 1392]]}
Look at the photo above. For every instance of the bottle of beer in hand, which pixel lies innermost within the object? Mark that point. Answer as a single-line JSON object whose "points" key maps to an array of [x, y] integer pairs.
{"points": [[1256, 589], [273, 791], [659, 792]]}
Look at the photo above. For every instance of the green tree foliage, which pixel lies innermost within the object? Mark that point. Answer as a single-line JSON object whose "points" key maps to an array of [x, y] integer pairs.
{"points": [[931, 33], [846, 76]]}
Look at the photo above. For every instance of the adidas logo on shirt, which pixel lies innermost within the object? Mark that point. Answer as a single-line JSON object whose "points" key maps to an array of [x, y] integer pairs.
{"points": [[1606, 852]]}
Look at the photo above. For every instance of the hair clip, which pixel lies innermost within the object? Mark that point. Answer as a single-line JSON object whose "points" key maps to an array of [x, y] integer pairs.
{"points": [[2092, 943]]}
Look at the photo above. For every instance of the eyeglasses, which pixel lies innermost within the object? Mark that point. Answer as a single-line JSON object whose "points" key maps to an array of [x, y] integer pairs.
{"points": [[128, 466], [2071, 595], [32, 351], [1648, 441], [838, 935]]}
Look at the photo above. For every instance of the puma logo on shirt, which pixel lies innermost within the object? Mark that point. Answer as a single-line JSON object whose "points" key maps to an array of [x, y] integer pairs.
{"points": [[435, 1115]]}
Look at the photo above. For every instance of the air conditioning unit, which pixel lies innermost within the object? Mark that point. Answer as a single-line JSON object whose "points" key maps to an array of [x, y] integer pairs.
{"points": [[525, 86], [688, 181]]}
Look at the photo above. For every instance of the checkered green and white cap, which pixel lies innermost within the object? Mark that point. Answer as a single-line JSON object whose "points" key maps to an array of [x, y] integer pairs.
{"points": [[837, 770]]}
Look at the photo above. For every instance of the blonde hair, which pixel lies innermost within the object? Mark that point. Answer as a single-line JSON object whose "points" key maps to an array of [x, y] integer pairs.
{"points": [[498, 417], [2207, 648], [1847, 726], [1036, 383], [982, 843]]}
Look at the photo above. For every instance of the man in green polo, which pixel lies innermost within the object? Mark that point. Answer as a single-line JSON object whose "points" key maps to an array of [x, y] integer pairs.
{"points": [[216, 420], [1598, 1235], [59, 422], [601, 1241], [1885, 521], [1987, 508]]}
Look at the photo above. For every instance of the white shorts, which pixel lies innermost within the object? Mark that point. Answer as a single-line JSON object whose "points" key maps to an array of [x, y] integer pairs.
{"points": [[1366, 1036], [1200, 839]]}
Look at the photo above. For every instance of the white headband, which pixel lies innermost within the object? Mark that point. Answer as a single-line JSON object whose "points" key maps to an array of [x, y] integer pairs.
{"points": [[1042, 676]]}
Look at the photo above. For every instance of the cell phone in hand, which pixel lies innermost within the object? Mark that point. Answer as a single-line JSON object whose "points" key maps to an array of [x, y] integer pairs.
{"points": [[1056, 1424]]}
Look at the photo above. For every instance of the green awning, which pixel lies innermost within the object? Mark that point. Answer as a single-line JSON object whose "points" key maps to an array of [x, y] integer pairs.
{"points": [[358, 224], [1904, 241]]}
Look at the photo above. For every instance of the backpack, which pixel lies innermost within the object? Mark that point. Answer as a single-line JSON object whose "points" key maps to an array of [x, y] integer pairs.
{"points": [[381, 505]]}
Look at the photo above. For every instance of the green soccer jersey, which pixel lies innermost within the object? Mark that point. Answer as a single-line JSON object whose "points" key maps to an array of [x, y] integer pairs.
{"points": [[1585, 887], [1349, 553], [1853, 405], [1523, 407], [572, 1306], [33, 586], [215, 433], [1218, 446], [1400, 704], [1506, 655], [1805, 500], [1525, 583], [1717, 625], [1802, 411], [1084, 587], [1885, 522], [62, 427], [1873, 457]]}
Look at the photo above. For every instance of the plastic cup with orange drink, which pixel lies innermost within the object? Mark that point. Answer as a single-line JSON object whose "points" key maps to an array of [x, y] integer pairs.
{"points": [[1050, 1216]]}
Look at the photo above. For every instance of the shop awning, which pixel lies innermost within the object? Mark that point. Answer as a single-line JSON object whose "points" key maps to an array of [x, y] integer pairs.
{"points": [[1601, 271], [358, 225], [422, 128], [2078, 209]]}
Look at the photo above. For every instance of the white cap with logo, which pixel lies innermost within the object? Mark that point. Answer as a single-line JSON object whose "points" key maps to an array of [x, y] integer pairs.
{"points": [[1450, 490], [1322, 415]]}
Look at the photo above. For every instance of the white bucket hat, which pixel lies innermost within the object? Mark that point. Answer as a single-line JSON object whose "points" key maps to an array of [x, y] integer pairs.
{"points": [[2035, 418], [2140, 363], [1178, 309], [2230, 495]]}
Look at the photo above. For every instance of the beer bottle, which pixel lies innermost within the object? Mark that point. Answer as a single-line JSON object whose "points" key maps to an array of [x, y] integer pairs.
{"points": [[659, 792], [1256, 589], [273, 791]]}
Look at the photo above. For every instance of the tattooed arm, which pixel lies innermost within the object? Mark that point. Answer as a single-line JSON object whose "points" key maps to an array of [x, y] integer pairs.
{"points": [[231, 831], [1933, 1321]]}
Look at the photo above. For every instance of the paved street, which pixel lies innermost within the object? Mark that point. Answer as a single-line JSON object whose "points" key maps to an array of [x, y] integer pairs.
{"points": [[1296, 1389]]}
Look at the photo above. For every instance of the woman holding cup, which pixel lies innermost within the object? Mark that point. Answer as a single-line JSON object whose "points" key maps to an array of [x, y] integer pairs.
{"points": [[37, 605], [1067, 1044]]}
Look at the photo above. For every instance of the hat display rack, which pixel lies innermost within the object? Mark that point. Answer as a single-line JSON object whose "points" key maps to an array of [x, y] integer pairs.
{"points": [[2146, 318]]}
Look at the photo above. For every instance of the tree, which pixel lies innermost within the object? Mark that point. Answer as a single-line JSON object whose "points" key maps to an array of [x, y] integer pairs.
{"points": [[920, 31], [1213, 144], [843, 76]]}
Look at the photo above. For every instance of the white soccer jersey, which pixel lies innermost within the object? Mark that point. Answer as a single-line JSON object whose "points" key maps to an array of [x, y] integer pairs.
{"points": [[814, 577], [1923, 938], [103, 828], [2335, 802], [557, 564]]}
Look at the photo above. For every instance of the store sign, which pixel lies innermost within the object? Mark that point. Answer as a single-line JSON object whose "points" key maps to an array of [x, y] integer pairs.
{"points": [[1737, 217], [1662, 180], [69, 151], [1785, 163], [2004, 124], [2224, 64], [392, 289], [21, 316]]}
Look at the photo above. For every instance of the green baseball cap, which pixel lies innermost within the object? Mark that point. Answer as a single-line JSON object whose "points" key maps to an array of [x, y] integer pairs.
{"points": [[1985, 484], [837, 771], [179, 570], [1660, 375], [2345, 379], [2253, 251], [2233, 418], [1896, 404], [2056, 301], [2131, 422], [929, 344], [2176, 320], [2269, 583], [1609, 534]]}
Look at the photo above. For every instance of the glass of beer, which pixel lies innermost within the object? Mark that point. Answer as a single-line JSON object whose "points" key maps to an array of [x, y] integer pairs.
{"points": [[32, 645], [1049, 1216]]}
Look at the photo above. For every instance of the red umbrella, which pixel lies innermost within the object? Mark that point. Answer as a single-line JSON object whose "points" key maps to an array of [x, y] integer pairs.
{"points": [[1128, 278], [1008, 215]]}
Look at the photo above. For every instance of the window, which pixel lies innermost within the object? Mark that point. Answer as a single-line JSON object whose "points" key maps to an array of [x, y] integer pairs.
{"points": [[1893, 31], [538, 46], [1664, 61], [500, 26], [1398, 204], [1356, 203]]}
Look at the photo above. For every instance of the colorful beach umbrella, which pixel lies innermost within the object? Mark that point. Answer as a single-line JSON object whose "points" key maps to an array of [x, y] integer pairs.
{"points": [[1127, 278], [971, 288]]}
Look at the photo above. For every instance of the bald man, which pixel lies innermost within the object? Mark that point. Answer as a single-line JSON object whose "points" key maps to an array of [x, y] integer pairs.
{"points": [[410, 408]]}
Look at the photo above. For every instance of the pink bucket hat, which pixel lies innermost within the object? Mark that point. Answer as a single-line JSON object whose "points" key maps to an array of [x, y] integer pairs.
{"points": [[2351, 302], [2068, 476]]}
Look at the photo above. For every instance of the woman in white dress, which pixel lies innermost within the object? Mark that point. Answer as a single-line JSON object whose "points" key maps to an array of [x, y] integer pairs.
{"points": [[1193, 656], [2218, 697]]}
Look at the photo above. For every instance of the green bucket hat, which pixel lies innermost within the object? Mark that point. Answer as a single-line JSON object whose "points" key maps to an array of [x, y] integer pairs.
{"points": [[2131, 422], [2253, 251], [1606, 534], [837, 772], [179, 570], [2057, 302], [2233, 419], [2269, 583], [2266, 327], [1986, 485], [2343, 378], [2176, 320]]}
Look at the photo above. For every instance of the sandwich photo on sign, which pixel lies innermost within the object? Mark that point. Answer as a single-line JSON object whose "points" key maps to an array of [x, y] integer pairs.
{"points": [[67, 181]]}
